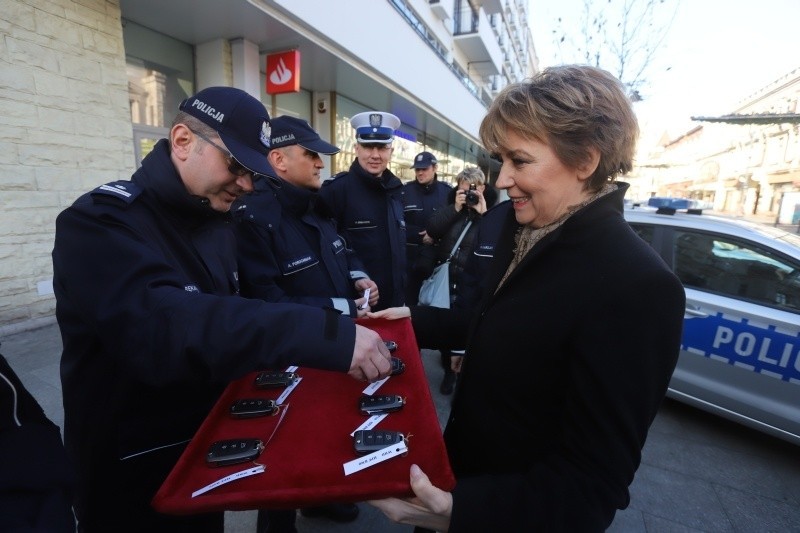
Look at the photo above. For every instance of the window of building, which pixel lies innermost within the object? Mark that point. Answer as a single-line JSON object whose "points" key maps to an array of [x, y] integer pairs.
{"points": [[293, 104], [160, 76]]}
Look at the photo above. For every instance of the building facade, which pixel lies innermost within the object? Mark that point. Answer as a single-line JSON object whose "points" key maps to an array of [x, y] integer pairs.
{"points": [[743, 163], [88, 86]]}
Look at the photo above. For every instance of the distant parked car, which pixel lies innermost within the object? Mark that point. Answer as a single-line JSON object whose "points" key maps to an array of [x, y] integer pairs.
{"points": [[740, 353]]}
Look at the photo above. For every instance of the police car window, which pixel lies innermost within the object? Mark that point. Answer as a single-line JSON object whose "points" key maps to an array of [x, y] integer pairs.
{"points": [[736, 269]]}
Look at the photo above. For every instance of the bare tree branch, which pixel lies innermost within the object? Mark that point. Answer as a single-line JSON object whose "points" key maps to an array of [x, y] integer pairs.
{"points": [[621, 36]]}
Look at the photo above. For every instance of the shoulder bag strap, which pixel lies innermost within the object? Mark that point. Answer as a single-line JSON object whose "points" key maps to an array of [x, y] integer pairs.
{"points": [[458, 242]]}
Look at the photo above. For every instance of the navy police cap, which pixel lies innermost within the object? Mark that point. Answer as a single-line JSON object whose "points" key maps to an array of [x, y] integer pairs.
{"points": [[424, 160], [287, 131], [241, 121]]}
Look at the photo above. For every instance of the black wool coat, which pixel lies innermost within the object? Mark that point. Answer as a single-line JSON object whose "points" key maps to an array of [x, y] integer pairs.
{"points": [[566, 366]]}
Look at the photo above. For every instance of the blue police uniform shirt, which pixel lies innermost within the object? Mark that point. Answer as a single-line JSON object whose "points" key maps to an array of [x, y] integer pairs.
{"points": [[419, 203], [477, 264], [290, 252], [369, 214]]}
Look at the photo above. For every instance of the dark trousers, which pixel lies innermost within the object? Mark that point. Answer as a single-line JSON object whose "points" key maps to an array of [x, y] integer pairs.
{"points": [[276, 521], [116, 497]]}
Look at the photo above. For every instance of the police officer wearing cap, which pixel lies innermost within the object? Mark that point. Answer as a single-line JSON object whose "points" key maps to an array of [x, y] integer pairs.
{"points": [[289, 251], [288, 247], [366, 203], [152, 324], [421, 198]]}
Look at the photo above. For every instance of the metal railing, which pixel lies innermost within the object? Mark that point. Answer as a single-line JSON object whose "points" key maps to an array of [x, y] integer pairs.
{"points": [[426, 35]]}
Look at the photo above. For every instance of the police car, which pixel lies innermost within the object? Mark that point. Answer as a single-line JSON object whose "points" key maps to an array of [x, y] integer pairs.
{"points": [[740, 352]]}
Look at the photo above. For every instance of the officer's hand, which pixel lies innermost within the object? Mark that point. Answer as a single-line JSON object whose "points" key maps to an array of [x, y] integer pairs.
{"points": [[426, 239], [364, 284], [370, 356], [361, 312], [455, 363]]}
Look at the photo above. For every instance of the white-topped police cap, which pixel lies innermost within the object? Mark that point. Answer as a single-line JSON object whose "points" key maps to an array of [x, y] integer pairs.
{"points": [[375, 127]]}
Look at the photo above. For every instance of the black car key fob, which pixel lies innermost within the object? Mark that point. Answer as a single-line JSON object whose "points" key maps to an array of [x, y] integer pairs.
{"points": [[231, 452], [274, 380], [377, 405], [372, 440], [253, 407], [390, 345], [398, 366]]}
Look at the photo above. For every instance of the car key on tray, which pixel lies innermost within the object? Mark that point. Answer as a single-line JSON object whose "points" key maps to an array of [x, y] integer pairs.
{"points": [[233, 451], [398, 366], [274, 380], [371, 440], [378, 405], [253, 407]]}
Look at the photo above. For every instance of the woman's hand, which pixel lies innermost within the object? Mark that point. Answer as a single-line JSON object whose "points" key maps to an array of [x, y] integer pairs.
{"points": [[393, 313], [480, 207], [430, 508], [461, 200]]}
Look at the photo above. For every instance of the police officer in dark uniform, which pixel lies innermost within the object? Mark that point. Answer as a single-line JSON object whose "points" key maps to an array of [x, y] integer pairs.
{"points": [[152, 325], [421, 198], [366, 203], [289, 251], [288, 247]]}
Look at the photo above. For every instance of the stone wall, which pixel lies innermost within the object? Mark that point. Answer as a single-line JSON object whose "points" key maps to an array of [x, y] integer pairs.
{"points": [[64, 129]]}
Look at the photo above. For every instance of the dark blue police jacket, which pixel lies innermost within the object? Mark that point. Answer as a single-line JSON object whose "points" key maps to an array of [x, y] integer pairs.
{"points": [[153, 328], [477, 264], [290, 252], [369, 214], [419, 203]]}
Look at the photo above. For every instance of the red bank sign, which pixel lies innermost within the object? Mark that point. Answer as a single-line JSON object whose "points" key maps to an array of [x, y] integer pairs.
{"points": [[283, 72]]}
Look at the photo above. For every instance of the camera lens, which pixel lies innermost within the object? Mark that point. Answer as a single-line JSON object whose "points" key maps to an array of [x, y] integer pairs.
{"points": [[471, 198]]}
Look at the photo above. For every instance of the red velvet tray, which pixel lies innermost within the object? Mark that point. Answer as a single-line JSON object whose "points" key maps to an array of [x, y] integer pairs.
{"points": [[305, 456]]}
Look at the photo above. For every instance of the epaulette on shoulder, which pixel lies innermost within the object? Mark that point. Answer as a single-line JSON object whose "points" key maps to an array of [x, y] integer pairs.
{"points": [[127, 191], [334, 177]]}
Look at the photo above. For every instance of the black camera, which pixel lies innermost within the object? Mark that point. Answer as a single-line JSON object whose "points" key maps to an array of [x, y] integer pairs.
{"points": [[472, 197]]}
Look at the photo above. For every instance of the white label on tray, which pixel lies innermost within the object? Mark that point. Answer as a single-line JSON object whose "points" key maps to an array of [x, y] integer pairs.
{"points": [[227, 479], [370, 390], [371, 422], [372, 459]]}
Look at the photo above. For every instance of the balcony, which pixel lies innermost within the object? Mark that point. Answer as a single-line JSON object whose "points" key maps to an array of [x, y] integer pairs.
{"points": [[473, 35], [492, 6], [442, 9]]}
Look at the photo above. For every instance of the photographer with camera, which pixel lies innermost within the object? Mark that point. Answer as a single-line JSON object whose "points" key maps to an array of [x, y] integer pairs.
{"points": [[466, 204]]}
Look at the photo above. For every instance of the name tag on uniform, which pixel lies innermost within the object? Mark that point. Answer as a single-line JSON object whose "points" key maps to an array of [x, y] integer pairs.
{"points": [[337, 246], [484, 250], [291, 266], [362, 224]]}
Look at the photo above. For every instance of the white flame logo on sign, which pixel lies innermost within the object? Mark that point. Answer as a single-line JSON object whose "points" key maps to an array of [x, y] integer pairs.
{"points": [[281, 74]]}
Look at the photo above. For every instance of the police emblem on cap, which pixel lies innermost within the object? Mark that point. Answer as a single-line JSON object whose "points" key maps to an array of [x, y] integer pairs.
{"points": [[265, 133], [419, 157], [375, 119]]}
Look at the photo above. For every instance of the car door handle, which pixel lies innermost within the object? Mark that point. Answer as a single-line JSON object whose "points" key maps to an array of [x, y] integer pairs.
{"points": [[696, 312]]}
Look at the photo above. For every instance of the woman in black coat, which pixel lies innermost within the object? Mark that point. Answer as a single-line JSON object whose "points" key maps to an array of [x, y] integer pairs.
{"points": [[467, 203], [571, 349]]}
